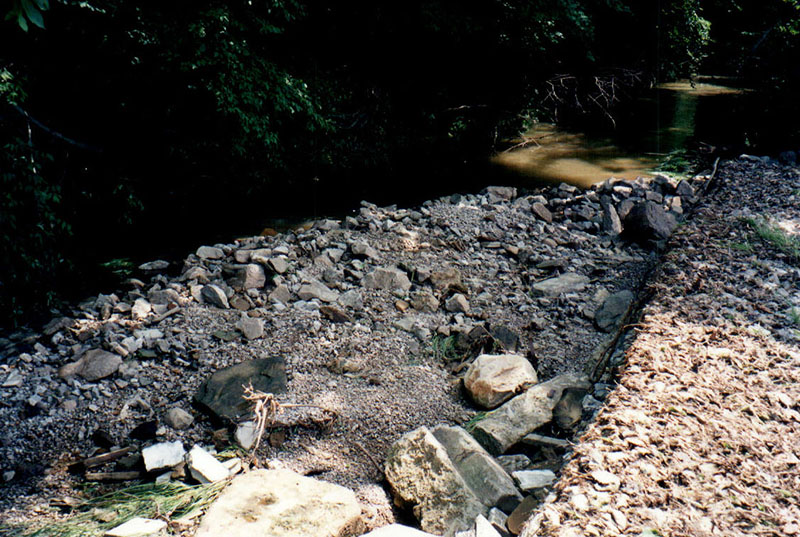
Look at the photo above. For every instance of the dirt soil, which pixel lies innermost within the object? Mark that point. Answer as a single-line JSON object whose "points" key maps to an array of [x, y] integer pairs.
{"points": [[701, 437]]}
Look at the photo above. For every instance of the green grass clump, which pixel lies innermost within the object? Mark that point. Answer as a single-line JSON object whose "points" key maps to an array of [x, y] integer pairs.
{"points": [[473, 422], [444, 348], [148, 500], [778, 238]]}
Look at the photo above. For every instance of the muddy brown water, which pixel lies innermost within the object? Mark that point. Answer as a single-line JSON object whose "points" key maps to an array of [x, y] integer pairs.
{"points": [[669, 118]]}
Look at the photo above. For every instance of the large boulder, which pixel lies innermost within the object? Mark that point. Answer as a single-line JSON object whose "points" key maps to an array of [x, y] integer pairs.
{"points": [[222, 393], [281, 502], [525, 413], [422, 475], [648, 220], [494, 379], [482, 474], [566, 283]]}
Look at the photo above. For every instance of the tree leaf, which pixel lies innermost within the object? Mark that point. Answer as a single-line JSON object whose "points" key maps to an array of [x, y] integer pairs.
{"points": [[22, 22], [44, 5], [34, 15]]}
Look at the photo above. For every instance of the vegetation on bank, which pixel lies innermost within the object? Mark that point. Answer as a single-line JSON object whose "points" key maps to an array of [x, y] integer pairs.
{"points": [[116, 116]]}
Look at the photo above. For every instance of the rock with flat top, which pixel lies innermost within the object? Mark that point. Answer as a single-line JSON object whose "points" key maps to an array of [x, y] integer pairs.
{"points": [[422, 475], [178, 418], [525, 413], [530, 480], [137, 527], [210, 252], [494, 379], [566, 283], [282, 503], [204, 467], [252, 276], [163, 455], [251, 327], [318, 290]]}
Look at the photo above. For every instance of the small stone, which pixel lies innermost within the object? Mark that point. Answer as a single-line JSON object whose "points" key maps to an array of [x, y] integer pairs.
{"points": [[13, 380], [484, 528], [246, 434], [214, 295], [281, 294], [542, 212], [387, 278], [141, 309], [279, 265], [352, 299], [457, 303], [611, 220], [530, 480], [137, 527], [513, 463], [210, 252], [334, 314], [534, 439], [363, 249], [154, 266], [447, 278], [205, 468], [178, 418], [163, 455], [498, 519], [501, 193], [424, 301], [397, 530], [96, 364], [252, 328], [317, 290]]}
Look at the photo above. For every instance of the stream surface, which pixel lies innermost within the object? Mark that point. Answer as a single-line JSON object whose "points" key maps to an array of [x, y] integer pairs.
{"points": [[670, 118]]}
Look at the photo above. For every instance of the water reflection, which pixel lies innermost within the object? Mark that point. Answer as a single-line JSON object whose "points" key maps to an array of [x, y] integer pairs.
{"points": [[664, 121]]}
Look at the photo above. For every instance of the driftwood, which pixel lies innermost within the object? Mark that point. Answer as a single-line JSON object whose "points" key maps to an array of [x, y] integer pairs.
{"points": [[91, 462]]}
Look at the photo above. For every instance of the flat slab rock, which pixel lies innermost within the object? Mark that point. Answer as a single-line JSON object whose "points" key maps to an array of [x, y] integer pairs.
{"points": [[222, 392], [570, 282], [525, 413], [282, 503], [421, 474]]}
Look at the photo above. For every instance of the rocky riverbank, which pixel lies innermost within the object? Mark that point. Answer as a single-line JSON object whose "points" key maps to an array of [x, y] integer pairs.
{"points": [[363, 329]]}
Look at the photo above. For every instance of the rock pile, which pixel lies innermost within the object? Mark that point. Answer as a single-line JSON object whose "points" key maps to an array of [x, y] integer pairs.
{"points": [[368, 318]]}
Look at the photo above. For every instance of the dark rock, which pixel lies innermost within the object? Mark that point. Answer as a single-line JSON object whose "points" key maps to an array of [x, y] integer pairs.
{"points": [[542, 212], [567, 413], [611, 221], [334, 314], [648, 220], [144, 431], [103, 439], [222, 393], [501, 193], [214, 295], [506, 337], [613, 310]]}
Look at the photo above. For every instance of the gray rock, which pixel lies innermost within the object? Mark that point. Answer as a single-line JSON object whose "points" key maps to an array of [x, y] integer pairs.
{"points": [[424, 301], [542, 212], [501, 193], [534, 439], [210, 252], [12, 380], [352, 299], [222, 393], [614, 308], [566, 283], [648, 220], [685, 190], [154, 266], [252, 276], [484, 528], [363, 249], [569, 410], [457, 303], [446, 278], [421, 474], [281, 294], [482, 474], [387, 278], [498, 519], [512, 463], [494, 379], [281, 502], [96, 364], [530, 480], [178, 418], [611, 221], [279, 265], [163, 455], [214, 295], [318, 290], [525, 413], [251, 327]]}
